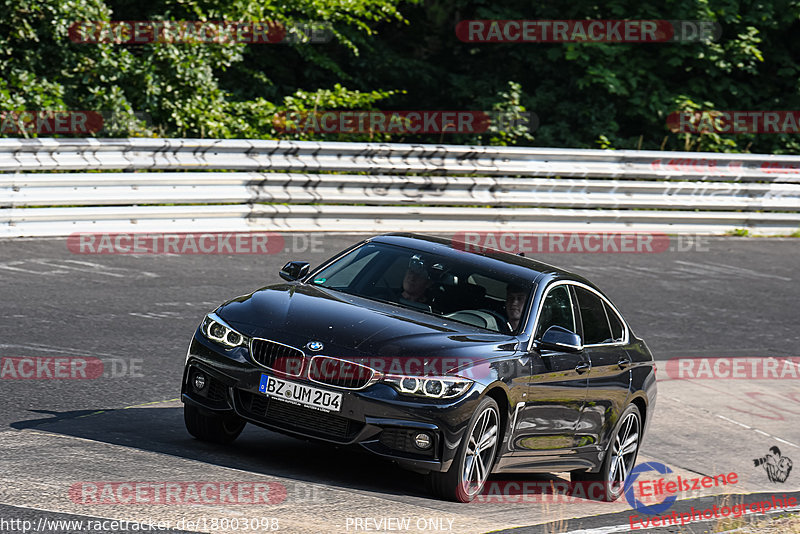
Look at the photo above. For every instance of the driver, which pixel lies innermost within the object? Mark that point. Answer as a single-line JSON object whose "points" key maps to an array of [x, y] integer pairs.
{"points": [[416, 283], [515, 304]]}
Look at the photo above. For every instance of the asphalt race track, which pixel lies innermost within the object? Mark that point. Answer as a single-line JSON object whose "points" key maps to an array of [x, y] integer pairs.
{"points": [[715, 298]]}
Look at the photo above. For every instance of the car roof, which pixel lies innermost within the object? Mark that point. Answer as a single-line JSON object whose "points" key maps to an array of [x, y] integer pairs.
{"points": [[514, 264]]}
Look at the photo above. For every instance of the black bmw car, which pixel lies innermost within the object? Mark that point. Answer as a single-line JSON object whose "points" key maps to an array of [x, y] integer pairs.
{"points": [[454, 364]]}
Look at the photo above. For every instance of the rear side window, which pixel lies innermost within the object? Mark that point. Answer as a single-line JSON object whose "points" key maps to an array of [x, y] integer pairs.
{"points": [[617, 330], [593, 316]]}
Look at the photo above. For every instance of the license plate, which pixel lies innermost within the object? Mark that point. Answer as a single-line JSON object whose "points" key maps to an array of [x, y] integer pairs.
{"points": [[292, 392]]}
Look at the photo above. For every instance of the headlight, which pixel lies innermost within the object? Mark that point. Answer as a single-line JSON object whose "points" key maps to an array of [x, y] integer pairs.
{"points": [[218, 331], [436, 387]]}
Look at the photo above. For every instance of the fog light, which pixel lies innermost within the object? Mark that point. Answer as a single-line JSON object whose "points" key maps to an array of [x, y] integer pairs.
{"points": [[199, 381], [422, 441]]}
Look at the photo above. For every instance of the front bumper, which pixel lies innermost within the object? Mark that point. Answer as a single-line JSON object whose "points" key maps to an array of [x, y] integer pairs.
{"points": [[377, 418]]}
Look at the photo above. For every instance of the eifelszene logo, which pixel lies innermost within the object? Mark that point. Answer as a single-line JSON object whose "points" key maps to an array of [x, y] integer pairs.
{"points": [[653, 489], [638, 505]]}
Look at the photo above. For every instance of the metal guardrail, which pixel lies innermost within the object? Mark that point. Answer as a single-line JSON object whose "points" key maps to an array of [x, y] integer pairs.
{"points": [[147, 185]]}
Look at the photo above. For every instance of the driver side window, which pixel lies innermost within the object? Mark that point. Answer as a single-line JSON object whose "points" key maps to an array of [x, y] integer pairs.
{"points": [[556, 310]]}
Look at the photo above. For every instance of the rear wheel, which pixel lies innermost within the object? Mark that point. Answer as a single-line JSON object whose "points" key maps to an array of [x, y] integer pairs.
{"points": [[620, 457], [212, 427], [474, 458]]}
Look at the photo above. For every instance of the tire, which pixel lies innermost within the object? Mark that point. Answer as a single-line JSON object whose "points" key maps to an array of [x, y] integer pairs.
{"points": [[211, 427], [454, 485], [630, 425]]}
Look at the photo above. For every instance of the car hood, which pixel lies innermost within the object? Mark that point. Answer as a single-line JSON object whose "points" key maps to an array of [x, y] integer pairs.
{"points": [[353, 327]]}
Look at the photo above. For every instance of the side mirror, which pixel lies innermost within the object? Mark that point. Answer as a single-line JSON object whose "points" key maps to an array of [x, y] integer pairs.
{"points": [[294, 270], [561, 339]]}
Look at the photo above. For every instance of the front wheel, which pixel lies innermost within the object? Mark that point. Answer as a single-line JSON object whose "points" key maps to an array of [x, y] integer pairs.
{"points": [[620, 456], [212, 427], [474, 458]]}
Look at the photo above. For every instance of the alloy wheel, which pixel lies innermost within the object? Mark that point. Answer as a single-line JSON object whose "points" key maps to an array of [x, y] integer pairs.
{"points": [[480, 452], [623, 453]]}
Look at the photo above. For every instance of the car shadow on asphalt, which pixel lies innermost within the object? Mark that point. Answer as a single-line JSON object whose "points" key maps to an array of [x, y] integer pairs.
{"points": [[257, 450]]}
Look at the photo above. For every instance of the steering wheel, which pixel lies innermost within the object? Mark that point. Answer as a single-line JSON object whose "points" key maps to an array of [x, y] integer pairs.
{"points": [[502, 322], [481, 318]]}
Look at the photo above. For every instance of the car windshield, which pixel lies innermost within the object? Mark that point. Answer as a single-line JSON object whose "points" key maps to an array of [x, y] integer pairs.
{"points": [[456, 289]]}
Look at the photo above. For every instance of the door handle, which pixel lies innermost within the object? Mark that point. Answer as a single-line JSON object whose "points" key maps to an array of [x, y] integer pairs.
{"points": [[624, 362], [581, 367]]}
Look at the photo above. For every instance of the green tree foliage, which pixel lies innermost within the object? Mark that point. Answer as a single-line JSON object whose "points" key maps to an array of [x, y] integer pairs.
{"points": [[404, 55]]}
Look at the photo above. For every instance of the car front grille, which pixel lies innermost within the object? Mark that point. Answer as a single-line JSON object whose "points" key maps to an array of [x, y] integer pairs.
{"points": [[339, 373], [299, 418], [277, 356]]}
